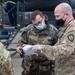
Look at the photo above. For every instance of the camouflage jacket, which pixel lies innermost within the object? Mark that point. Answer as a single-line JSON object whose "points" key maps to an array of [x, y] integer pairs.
{"points": [[32, 36], [63, 52], [6, 66]]}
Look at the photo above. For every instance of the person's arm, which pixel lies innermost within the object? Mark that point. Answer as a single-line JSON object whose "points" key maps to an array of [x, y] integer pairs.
{"points": [[5, 61], [60, 51], [21, 42], [25, 36], [24, 39]]}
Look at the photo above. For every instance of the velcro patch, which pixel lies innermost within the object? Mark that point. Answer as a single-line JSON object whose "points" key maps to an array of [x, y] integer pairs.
{"points": [[71, 37]]}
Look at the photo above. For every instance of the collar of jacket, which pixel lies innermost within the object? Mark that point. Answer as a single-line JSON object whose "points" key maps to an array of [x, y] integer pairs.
{"points": [[63, 30]]}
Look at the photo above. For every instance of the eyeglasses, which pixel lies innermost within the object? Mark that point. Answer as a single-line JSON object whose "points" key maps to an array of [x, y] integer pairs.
{"points": [[38, 22]]}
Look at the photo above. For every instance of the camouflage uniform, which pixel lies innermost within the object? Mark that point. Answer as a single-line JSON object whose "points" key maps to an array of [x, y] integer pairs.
{"points": [[63, 52], [48, 36], [6, 66]]}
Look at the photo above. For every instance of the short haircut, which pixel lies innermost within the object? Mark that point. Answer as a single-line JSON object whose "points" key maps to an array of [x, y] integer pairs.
{"points": [[35, 13], [66, 7]]}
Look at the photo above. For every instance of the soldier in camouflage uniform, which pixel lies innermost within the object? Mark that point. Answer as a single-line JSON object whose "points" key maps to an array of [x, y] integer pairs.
{"points": [[64, 51], [6, 66], [40, 32]]}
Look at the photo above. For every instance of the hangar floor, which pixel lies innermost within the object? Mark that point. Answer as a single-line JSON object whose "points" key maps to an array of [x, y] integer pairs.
{"points": [[16, 59]]}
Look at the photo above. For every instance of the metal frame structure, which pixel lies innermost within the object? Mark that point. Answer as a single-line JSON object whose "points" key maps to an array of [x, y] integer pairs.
{"points": [[7, 34]]}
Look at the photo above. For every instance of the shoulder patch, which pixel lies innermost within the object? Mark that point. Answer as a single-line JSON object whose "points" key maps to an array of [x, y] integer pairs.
{"points": [[70, 37]]}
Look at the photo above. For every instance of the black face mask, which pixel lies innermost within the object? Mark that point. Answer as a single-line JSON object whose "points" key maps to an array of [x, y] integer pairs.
{"points": [[59, 22]]}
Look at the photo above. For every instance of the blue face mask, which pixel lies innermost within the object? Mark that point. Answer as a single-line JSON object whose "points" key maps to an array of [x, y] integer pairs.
{"points": [[40, 26]]}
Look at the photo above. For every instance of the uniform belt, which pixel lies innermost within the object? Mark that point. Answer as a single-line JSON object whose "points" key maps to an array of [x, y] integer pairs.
{"points": [[11, 2]]}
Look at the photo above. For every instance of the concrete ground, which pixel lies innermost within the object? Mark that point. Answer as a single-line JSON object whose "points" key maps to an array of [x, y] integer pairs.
{"points": [[16, 59]]}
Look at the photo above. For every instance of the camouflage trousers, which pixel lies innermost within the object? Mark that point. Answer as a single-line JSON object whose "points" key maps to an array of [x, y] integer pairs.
{"points": [[7, 67], [37, 68]]}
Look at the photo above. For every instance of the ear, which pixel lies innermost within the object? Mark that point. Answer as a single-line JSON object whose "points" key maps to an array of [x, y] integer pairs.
{"points": [[66, 14], [45, 17]]}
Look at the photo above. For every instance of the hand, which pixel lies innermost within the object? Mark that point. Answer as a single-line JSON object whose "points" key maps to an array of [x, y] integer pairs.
{"points": [[19, 50], [24, 45], [35, 48]]}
